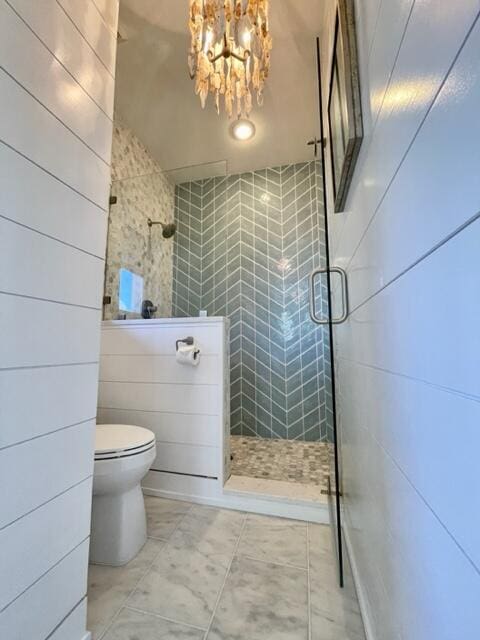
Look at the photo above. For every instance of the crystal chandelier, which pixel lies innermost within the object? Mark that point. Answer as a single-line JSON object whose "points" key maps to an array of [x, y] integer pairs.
{"points": [[230, 51]]}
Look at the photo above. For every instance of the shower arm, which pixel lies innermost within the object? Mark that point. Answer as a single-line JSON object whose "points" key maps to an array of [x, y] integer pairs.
{"points": [[168, 228], [151, 222]]}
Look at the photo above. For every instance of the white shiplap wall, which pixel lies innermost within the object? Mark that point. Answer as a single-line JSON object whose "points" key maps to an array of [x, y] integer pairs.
{"points": [[142, 383], [56, 103], [407, 359]]}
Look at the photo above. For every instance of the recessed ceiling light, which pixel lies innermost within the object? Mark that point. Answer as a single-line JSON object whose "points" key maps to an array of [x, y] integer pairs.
{"points": [[242, 129]]}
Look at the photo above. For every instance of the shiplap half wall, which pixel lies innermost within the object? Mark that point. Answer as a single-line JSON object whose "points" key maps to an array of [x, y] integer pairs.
{"points": [[142, 383], [57, 60]]}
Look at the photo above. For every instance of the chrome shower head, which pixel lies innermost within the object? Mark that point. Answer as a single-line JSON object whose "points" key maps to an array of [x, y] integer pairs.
{"points": [[168, 229]]}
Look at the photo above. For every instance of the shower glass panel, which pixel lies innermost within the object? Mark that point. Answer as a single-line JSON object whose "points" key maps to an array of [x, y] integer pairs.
{"points": [[133, 245], [244, 248]]}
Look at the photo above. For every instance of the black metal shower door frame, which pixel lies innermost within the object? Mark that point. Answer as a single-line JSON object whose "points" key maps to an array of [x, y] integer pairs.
{"points": [[334, 493]]}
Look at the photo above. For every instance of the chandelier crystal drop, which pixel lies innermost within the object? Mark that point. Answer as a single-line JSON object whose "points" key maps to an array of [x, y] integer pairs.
{"points": [[230, 51]]}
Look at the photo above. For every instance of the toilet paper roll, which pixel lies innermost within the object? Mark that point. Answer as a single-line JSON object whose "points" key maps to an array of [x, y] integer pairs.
{"points": [[188, 354]]}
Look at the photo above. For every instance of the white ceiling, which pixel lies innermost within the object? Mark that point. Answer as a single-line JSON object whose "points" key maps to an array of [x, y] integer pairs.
{"points": [[155, 96]]}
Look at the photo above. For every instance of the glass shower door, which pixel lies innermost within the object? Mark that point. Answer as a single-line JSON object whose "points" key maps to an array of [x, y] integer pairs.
{"points": [[323, 312]]}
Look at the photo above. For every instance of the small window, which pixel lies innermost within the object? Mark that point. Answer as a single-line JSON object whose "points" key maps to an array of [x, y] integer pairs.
{"points": [[130, 291]]}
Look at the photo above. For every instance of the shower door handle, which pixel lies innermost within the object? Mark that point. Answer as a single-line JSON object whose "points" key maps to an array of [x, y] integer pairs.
{"points": [[313, 310]]}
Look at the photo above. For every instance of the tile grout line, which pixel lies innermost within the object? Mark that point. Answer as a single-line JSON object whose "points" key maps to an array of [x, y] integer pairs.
{"points": [[227, 573], [124, 603], [277, 564], [157, 615]]}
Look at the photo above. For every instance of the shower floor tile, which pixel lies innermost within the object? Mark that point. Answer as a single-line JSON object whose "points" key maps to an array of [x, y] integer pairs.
{"points": [[284, 460]]}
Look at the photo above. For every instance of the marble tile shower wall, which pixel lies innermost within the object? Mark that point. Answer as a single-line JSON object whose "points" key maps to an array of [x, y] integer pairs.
{"points": [[244, 248], [143, 191]]}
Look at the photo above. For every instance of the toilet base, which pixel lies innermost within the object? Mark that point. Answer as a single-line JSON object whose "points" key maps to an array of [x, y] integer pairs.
{"points": [[119, 527]]}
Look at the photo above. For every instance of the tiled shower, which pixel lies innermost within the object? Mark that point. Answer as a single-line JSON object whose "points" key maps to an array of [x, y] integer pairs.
{"points": [[244, 248]]}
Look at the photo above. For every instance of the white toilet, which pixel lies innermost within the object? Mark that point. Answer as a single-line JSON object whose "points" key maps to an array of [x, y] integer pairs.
{"points": [[123, 455]]}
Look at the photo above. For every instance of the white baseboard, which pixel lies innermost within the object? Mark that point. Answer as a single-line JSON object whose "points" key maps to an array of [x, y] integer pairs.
{"points": [[362, 599], [87, 636], [247, 502]]}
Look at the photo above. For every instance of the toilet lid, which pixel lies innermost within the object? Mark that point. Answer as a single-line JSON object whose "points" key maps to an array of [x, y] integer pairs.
{"points": [[115, 440]]}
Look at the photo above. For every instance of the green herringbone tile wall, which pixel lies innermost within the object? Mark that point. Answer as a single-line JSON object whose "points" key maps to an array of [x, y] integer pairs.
{"points": [[244, 248]]}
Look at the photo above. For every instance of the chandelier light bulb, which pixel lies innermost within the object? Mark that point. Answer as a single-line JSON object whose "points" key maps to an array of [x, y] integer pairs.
{"points": [[208, 40]]}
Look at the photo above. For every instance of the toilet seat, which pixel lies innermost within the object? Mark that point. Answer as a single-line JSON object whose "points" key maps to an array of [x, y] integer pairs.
{"points": [[113, 441]]}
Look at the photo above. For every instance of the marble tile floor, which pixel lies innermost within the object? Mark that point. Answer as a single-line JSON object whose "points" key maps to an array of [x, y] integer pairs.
{"points": [[214, 574], [296, 461]]}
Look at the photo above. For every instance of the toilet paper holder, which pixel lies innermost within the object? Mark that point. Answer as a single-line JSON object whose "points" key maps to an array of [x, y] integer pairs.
{"points": [[188, 340]]}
